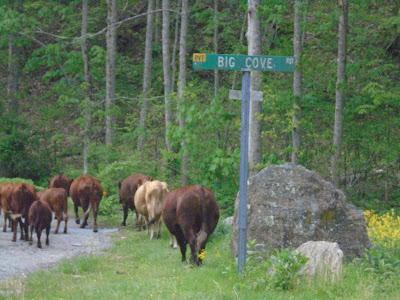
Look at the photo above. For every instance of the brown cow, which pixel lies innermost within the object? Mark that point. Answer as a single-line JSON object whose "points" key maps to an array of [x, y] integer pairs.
{"points": [[19, 202], [39, 219], [127, 190], [57, 199], [191, 215], [86, 192], [149, 199], [5, 192], [60, 181]]}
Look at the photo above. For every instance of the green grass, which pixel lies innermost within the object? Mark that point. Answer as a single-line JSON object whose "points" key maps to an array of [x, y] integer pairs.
{"points": [[136, 268]]}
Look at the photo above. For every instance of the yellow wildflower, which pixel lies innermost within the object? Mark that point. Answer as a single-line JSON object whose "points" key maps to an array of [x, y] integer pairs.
{"points": [[202, 254], [383, 230]]}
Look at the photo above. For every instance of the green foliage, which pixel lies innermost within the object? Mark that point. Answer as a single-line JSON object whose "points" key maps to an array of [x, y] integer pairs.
{"points": [[384, 262], [283, 269]]}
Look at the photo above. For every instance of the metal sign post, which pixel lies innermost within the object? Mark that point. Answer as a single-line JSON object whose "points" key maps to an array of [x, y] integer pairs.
{"points": [[244, 167], [244, 63]]}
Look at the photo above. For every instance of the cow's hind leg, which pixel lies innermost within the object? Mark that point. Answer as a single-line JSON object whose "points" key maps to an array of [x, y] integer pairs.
{"points": [[31, 235], [14, 229], [95, 210], [125, 209], [65, 221], [5, 222], [86, 210], [47, 235], [77, 220], [21, 226], [59, 218], [191, 238], [38, 234], [181, 242]]}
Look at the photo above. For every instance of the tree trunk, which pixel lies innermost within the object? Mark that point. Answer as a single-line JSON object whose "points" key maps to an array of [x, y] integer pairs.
{"points": [[167, 70], [88, 88], [157, 22], [181, 89], [340, 86], [254, 48], [13, 67], [297, 47], [110, 67], [175, 47], [215, 42], [241, 37], [146, 74], [12, 82]]}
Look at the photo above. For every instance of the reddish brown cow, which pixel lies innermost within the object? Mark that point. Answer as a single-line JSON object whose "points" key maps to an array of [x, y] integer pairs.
{"points": [[19, 202], [86, 192], [60, 181], [191, 215], [5, 192], [127, 190], [39, 219], [57, 199]]}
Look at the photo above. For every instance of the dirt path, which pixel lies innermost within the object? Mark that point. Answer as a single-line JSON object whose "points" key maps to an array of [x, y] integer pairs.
{"points": [[18, 259]]}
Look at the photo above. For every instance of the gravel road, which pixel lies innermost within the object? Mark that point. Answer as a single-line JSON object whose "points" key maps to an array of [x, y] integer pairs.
{"points": [[18, 259]]}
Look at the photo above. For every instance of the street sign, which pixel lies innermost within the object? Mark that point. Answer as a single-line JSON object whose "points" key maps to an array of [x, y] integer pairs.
{"points": [[240, 62], [244, 63], [254, 95]]}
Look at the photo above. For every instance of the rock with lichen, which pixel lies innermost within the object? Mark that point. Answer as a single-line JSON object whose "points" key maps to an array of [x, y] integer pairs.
{"points": [[289, 205]]}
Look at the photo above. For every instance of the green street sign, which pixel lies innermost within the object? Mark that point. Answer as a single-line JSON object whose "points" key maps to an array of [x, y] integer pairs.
{"points": [[240, 62]]}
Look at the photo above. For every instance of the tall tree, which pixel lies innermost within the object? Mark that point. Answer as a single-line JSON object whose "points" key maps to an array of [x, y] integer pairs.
{"points": [[13, 65], [181, 88], [254, 48], [297, 49], [340, 86], [88, 88], [111, 37], [215, 42], [146, 73], [175, 46], [166, 70], [157, 17]]}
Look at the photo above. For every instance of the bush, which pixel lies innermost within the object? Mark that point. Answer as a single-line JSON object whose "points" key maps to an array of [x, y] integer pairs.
{"points": [[283, 269]]}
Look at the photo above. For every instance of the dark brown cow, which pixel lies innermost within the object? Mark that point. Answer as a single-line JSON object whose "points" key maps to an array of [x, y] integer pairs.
{"points": [[191, 215], [127, 190], [39, 219], [60, 181], [57, 199], [86, 192], [19, 202]]}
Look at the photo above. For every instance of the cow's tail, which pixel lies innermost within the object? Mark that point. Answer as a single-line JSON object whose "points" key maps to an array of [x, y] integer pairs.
{"points": [[202, 235], [88, 210]]}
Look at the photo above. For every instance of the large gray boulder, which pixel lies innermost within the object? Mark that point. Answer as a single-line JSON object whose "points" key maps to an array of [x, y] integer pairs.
{"points": [[289, 205]]}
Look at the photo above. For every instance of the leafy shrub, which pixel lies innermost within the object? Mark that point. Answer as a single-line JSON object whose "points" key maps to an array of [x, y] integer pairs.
{"points": [[284, 266], [382, 261], [109, 205]]}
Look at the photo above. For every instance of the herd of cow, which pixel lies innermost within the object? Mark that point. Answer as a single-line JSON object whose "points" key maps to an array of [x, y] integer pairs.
{"points": [[190, 213]]}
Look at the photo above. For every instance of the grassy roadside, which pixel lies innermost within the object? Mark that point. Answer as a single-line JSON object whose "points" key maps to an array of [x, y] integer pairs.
{"points": [[136, 268]]}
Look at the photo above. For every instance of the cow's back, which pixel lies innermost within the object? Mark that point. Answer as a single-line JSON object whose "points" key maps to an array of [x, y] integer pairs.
{"points": [[40, 214], [86, 188], [22, 197], [56, 198], [129, 186], [60, 181]]}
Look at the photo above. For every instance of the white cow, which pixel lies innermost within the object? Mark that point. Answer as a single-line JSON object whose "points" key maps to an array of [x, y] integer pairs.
{"points": [[149, 199]]}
